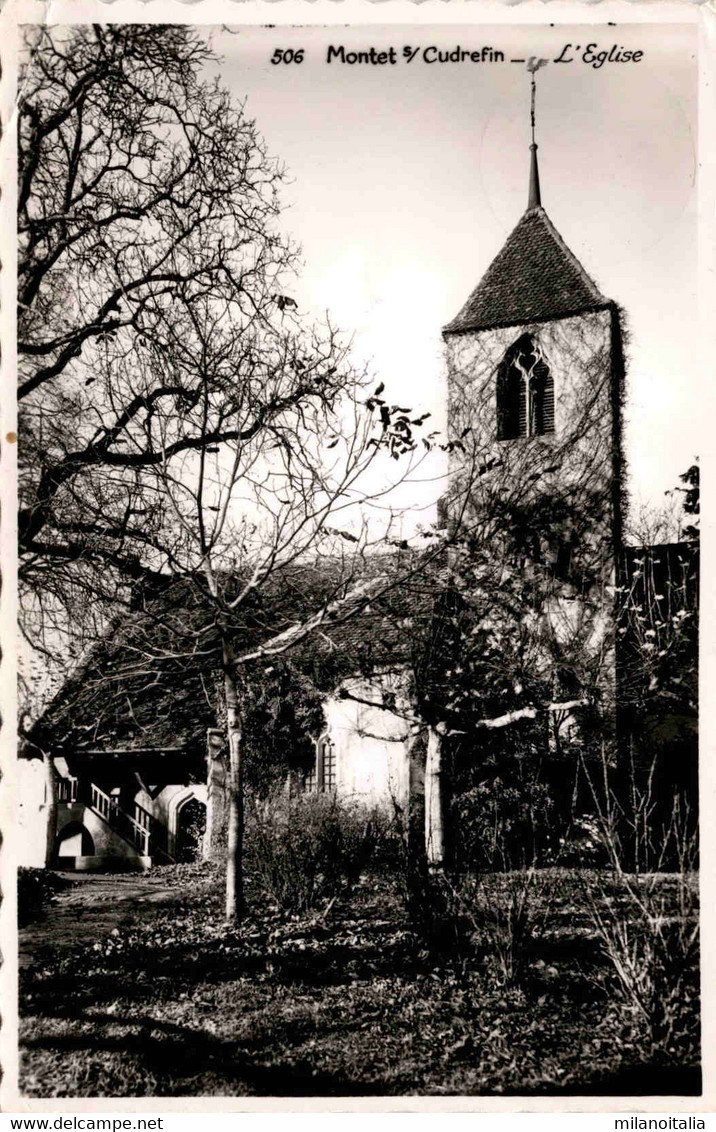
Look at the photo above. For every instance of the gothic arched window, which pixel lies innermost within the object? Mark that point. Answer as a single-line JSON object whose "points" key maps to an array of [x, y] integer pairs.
{"points": [[525, 392], [321, 777]]}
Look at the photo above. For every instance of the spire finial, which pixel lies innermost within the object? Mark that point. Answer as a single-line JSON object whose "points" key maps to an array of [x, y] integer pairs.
{"points": [[534, 199]]}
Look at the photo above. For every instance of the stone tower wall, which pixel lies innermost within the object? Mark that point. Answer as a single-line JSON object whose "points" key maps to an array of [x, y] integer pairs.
{"points": [[564, 488], [579, 463]]}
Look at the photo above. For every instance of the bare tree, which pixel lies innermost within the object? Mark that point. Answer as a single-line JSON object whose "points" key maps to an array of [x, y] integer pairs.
{"points": [[179, 420], [141, 189], [265, 532], [282, 492], [675, 519]]}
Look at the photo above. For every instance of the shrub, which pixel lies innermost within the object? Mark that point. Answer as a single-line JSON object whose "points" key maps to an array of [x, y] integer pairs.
{"points": [[509, 921], [640, 827], [303, 852], [503, 824], [505, 915], [651, 941], [585, 845], [651, 937], [36, 890], [487, 919], [433, 912]]}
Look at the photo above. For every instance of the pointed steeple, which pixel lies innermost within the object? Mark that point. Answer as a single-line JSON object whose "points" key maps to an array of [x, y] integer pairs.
{"points": [[535, 277], [534, 200]]}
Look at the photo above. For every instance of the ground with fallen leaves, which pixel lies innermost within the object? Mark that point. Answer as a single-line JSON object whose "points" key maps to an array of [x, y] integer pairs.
{"points": [[133, 986]]}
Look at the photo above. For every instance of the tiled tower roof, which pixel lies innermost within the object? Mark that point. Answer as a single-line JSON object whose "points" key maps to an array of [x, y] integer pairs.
{"points": [[535, 277]]}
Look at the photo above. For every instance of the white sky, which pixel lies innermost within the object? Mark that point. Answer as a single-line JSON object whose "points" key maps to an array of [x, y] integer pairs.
{"points": [[407, 179]]}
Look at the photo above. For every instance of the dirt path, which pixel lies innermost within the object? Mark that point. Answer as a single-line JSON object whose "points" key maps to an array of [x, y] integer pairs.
{"points": [[94, 905]]}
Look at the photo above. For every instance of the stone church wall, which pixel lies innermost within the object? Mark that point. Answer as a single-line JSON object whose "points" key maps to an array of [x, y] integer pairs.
{"points": [[372, 765]]}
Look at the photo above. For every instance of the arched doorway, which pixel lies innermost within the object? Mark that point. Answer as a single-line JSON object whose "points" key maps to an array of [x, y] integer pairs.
{"points": [[191, 824], [75, 840]]}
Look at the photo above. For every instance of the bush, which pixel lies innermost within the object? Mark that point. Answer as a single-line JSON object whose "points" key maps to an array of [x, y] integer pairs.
{"points": [[507, 918], [502, 824], [652, 945], [651, 938], [432, 909], [638, 826], [491, 920], [585, 845], [36, 890], [303, 852]]}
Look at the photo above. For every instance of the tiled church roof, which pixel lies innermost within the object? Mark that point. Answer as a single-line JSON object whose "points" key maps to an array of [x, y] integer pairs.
{"points": [[534, 277], [140, 687]]}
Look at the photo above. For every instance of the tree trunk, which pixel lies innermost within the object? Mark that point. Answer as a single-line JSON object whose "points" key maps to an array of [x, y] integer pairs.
{"points": [[234, 853], [434, 802], [415, 749], [51, 804], [214, 844]]}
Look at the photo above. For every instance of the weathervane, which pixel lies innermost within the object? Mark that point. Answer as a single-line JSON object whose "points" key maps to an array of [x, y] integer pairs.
{"points": [[534, 200]]}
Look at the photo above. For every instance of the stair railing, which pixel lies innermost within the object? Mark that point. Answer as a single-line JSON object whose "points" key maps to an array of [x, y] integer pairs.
{"points": [[119, 820], [67, 790], [158, 832]]}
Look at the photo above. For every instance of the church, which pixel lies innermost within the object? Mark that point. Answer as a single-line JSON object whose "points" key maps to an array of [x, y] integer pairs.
{"points": [[535, 385]]}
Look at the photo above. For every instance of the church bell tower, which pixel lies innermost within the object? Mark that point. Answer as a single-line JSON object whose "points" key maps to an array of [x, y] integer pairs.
{"points": [[535, 385]]}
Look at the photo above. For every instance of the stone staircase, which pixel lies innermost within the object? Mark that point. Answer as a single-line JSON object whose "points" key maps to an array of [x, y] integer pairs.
{"points": [[141, 829]]}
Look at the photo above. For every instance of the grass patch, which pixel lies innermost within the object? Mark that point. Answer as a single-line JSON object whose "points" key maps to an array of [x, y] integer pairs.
{"points": [[358, 1002]]}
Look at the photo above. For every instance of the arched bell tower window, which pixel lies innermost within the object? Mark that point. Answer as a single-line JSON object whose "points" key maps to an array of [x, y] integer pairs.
{"points": [[525, 392]]}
